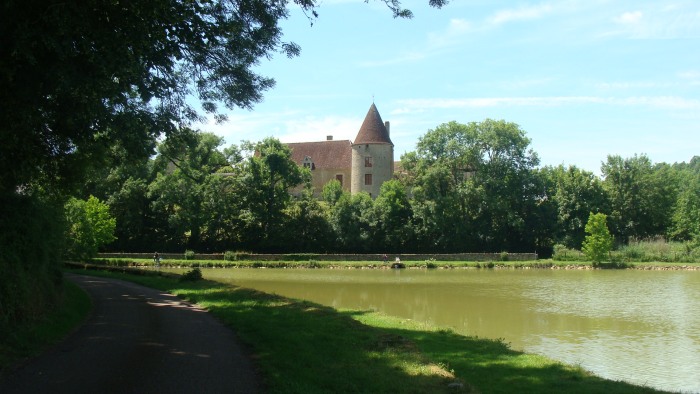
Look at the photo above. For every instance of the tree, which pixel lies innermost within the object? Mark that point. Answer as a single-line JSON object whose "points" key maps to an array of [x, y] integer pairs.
{"points": [[178, 191], [308, 228], [268, 176], [332, 191], [352, 221], [576, 194], [90, 226], [78, 77], [686, 211], [641, 196], [473, 186], [393, 213], [598, 242]]}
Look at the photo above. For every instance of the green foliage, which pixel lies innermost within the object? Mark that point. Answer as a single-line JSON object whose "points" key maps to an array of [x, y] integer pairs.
{"points": [[90, 226], [686, 211], [28, 339], [576, 193], [473, 187], [332, 191], [598, 242], [31, 238], [189, 255], [562, 253], [393, 213], [659, 250], [268, 176], [641, 195]]}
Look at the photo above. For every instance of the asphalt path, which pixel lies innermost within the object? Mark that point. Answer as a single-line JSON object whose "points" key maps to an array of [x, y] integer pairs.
{"points": [[139, 340]]}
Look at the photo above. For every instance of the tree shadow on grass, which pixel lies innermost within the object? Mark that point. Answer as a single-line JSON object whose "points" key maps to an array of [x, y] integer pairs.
{"points": [[305, 347]]}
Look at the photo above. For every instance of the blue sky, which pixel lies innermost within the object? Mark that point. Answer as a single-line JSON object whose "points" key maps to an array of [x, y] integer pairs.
{"points": [[584, 79]]}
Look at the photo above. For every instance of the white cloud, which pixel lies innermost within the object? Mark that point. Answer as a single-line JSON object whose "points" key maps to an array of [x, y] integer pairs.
{"points": [[690, 77], [521, 13], [658, 22], [455, 30], [629, 17], [666, 102], [312, 128], [633, 85]]}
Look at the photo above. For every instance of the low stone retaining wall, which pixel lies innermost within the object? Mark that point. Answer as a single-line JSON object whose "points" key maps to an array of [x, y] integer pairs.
{"points": [[334, 257]]}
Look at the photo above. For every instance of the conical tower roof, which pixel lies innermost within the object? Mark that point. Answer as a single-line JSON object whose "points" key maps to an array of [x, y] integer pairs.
{"points": [[373, 130]]}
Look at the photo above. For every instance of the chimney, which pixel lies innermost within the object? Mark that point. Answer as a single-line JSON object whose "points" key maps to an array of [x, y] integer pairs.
{"points": [[329, 138], [386, 124]]}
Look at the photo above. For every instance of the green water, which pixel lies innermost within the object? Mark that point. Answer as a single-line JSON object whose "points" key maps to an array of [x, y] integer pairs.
{"points": [[638, 326]]}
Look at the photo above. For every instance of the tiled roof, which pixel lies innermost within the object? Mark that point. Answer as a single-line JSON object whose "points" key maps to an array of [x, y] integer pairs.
{"points": [[324, 154], [373, 130]]}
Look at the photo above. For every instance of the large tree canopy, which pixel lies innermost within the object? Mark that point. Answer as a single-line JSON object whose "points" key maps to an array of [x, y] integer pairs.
{"points": [[76, 77], [83, 80]]}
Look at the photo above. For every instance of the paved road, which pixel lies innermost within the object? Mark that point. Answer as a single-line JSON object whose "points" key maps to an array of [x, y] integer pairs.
{"points": [[139, 340]]}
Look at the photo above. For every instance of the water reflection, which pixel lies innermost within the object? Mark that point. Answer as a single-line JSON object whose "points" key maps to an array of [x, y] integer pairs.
{"points": [[639, 326]]}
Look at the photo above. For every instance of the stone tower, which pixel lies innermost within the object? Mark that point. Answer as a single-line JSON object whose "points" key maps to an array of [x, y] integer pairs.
{"points": [[372, 155]]}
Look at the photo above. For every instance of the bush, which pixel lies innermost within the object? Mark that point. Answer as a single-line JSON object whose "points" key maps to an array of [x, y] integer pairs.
{"points": [[31, 241], [598, 242], [658, 250], [230, 256], [562, 253], [192, 275], [315, 264], [504, 256], [189, 255]]}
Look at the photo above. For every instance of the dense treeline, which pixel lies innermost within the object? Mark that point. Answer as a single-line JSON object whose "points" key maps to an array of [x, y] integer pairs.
{"points": [[467, 188], [86, 83]]}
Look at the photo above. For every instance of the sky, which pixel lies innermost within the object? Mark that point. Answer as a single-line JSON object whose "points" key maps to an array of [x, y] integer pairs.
{"points": [[583, 78]]}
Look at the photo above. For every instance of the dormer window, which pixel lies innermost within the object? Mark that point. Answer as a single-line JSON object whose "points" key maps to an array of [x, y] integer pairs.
{"points": [[308, 163]]}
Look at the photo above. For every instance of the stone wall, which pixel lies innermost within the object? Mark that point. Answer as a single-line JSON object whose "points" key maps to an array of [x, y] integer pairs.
{"points": [[336, 257]]}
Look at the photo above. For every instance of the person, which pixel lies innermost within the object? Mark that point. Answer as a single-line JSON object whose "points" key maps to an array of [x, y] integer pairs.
{"points": [[384, 257], [156, 259]]}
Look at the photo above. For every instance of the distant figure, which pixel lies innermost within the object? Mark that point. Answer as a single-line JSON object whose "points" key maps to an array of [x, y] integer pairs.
{"points": [[156, 259], [397, 263], [384, 257]]}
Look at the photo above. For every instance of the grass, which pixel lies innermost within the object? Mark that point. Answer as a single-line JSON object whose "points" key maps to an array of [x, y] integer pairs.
{"points": [[305, 347], [32, 338], [543, 263]]}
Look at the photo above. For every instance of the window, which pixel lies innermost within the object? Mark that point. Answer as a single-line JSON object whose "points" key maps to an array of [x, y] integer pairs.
{"points": [[368, 179], [339, 177], [368, 161], [308, 163]]}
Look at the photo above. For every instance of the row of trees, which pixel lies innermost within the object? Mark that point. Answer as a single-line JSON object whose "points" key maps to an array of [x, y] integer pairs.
{"points": [[84, 82], [466, 188]]}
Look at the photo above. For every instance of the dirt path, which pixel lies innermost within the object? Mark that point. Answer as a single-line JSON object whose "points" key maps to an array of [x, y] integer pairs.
{"points": [[139, 340]]}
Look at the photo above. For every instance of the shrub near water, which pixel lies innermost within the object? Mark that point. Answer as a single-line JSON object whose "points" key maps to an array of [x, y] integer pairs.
{"points": [[660, 250]]}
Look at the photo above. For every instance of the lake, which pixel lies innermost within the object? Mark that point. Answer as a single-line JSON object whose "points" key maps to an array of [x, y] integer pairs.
{"points": [[639, 326]]}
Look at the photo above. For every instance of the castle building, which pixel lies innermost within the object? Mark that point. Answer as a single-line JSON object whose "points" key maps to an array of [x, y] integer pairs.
{"points": [[360, 166]]}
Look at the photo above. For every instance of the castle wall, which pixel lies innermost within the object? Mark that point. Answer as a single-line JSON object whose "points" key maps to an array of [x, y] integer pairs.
{"points": [[381, 170], [322, 176]]}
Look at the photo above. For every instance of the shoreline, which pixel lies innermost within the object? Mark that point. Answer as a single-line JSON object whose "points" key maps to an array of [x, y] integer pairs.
{"points": [[313, 264]]}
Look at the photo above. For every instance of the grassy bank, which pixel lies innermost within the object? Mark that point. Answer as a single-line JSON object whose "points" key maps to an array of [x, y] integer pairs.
{"points": [[305, 347], [430, 264], [30, 339]]}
